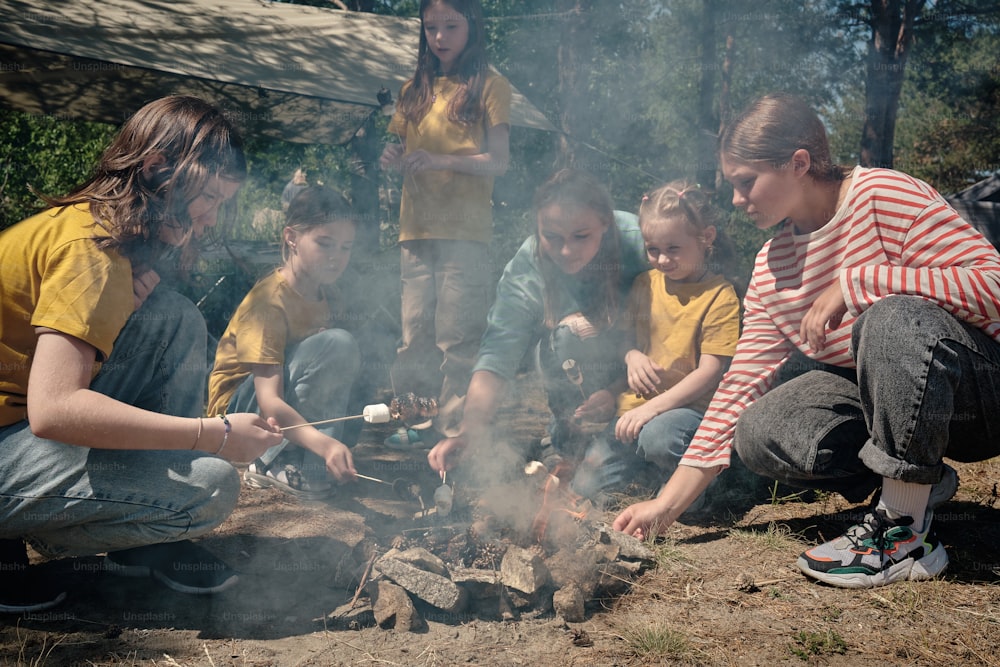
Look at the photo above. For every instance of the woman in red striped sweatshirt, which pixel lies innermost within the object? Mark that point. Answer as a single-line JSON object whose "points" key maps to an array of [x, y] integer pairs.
{"points": [[870, 349]]}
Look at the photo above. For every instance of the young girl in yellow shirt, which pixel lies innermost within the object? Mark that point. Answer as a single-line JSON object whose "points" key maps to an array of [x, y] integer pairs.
{"points": [[682, 324], [284, 356], [453, 124]]}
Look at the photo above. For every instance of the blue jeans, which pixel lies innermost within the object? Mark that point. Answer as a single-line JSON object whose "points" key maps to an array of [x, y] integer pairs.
{"points": [[318, 376], [600, 363], [73, 501], [927, 386], [610, 464]]}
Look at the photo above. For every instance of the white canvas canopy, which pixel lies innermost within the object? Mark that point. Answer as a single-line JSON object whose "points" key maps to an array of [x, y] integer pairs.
{"points": [[300, 73]]}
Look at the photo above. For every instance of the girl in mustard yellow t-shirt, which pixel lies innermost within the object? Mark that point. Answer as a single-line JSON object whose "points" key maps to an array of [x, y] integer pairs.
{"points": [[103, 447], [453, 124], [682, 322], [283, 355]]}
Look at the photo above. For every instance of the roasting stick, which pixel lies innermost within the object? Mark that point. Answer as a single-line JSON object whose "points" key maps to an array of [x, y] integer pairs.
{"points": [[323, 421], [373, 479]]}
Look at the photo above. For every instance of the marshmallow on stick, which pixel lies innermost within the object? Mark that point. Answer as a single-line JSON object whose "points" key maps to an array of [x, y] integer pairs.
{"points": [[409, 406], [574, 375], [377, 413]]}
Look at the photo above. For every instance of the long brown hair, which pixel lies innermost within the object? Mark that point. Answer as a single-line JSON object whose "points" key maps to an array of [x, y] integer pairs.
{"points": [[772, 128], [579, 190], [195, 141], [685, 199], [471, 68]]}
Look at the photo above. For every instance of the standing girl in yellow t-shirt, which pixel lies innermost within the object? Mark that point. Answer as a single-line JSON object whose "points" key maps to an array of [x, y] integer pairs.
{"points": [[682, 324], [453, 124], [283, 355]]}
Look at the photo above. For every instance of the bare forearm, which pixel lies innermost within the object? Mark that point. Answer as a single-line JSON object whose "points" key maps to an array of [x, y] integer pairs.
{"points": [[682, 489], [694, 385], [89, 419], [483, 164], [482, 400]]}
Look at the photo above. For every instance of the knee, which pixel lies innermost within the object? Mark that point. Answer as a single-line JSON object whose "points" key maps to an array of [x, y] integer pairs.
{"points": [[662, 446], [751, 442], [898, 322], [218, 488], [562, 336], [337, 347]]}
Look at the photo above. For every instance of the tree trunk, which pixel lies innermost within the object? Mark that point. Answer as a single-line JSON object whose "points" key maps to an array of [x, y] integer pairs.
{"points": [[892, 36], [708, 119], [725, 85], [569, 61]]}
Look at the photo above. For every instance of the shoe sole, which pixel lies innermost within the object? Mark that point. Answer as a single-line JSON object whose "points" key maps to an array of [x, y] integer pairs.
{"points": [[146, 572], [409, 445], [30, 608], [231, 581], [259, 481], [927, 567]]}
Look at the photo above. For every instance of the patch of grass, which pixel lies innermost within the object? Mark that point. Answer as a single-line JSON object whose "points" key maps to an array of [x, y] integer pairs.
{"points": [[831, 613], [781, 500], [44, 651], [808, 644], [776, 537], [904, 598], [656, 641], [667, 553]]}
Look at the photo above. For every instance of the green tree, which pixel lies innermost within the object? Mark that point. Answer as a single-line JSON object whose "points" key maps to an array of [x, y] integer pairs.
{"points": [[950, 103], [46, 154]]}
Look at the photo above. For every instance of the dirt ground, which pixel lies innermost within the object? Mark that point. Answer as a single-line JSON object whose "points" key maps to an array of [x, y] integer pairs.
{"points": [[723, 592]]}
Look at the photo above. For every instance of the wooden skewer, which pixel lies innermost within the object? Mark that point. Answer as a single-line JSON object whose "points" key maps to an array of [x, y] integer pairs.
{"points": [[373, 479], [323, 421]]}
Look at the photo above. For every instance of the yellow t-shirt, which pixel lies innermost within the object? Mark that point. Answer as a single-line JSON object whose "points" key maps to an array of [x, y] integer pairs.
{"points": [[447, 204], [271, 317], [675, 323], [53, 275]]}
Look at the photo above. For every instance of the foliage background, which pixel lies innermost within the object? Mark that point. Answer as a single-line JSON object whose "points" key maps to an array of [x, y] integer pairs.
{"points": [[641, 88]]}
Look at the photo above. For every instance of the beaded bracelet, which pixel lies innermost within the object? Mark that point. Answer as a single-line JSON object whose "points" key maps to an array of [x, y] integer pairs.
{"points": [[225, 438], [201, 425]]}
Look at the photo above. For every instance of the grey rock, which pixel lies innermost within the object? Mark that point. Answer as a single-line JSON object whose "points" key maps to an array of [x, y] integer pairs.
{"points": [[523, 570], [569, 603], [629, 548], [433, 589], [393, 608]]}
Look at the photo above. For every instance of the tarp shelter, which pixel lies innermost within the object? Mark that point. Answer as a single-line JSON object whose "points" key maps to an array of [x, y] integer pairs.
{"points": [[980, 205], [299, 73]]}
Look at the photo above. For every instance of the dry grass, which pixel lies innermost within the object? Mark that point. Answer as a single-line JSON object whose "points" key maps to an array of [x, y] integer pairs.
{"points": [[723, 592]]}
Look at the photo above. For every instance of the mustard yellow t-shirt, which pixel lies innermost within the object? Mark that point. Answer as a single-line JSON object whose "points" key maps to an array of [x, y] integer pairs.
{"points": [[675, 323], [53, 275], [271, 317], [447, 204]]}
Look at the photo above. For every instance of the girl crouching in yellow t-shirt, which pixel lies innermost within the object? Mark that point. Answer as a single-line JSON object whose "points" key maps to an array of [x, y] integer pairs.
{"points": [[283, 355]]}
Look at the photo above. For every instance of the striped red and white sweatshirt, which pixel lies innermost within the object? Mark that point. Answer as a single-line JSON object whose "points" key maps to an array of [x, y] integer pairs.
{"points": [[893, 234]]}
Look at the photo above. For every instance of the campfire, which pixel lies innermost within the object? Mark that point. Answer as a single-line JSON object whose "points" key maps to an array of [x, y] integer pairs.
{"points": [[493, 559]]}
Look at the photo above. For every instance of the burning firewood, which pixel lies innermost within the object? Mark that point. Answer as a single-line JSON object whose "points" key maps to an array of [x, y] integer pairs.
{"points": [[410, 407]]}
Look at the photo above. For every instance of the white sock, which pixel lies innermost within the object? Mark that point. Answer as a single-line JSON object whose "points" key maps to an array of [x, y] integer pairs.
{"points": [[905, 499]]}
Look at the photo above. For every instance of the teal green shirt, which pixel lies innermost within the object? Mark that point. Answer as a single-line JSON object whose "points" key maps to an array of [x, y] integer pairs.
{"points": [[517, 319]]}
